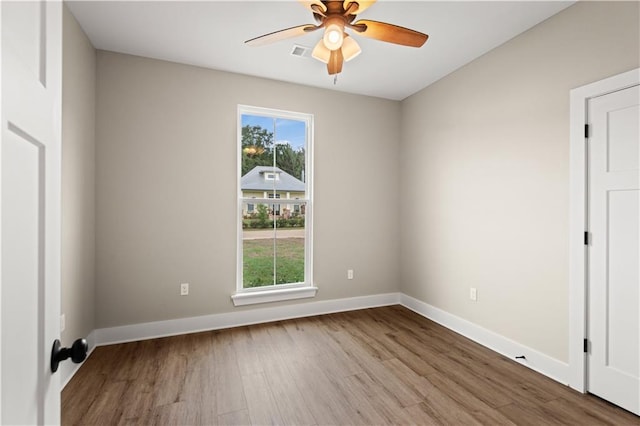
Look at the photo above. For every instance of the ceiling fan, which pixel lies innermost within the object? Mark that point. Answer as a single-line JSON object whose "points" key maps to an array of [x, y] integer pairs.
{"points": [[336, 46]]}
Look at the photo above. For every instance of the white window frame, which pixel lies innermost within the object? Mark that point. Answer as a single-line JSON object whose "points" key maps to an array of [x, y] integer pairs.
{"points": [[274, 293]]}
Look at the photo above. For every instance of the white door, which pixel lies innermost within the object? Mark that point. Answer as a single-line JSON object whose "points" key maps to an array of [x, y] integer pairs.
{"points": [[614, 255], [30, 210]]}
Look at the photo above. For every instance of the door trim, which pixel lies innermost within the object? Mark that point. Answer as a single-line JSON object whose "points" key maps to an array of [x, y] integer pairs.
{"points": [[579, 98], [1, 133]]}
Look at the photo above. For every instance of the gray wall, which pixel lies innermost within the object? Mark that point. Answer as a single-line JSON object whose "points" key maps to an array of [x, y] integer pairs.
{"points": [[166, 188], [485, 161], [78, 182]]}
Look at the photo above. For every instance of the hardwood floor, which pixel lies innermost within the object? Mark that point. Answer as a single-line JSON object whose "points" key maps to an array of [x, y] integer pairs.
{"points": [[375, 366]]}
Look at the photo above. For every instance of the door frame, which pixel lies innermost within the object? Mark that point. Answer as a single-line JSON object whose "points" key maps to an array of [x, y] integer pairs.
{"points": [[578, 262], [0, 208]]}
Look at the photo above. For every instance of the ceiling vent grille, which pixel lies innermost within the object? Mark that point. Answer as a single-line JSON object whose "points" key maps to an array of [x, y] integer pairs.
{"points": [[301, 51]]}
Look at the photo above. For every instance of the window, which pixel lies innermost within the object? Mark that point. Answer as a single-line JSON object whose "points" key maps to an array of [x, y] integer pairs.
{"points": [[274, 205]]}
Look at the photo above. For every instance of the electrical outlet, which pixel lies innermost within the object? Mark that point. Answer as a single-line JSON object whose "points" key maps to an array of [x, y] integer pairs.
{"points": [[473, 294], [184, 289], [349, 274], [63, 323]]}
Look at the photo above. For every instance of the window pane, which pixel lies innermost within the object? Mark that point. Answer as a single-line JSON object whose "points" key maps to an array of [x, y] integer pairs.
{"points": [[258, 262], [289, 155], [258, 246], [290, 245], [273, 246]]}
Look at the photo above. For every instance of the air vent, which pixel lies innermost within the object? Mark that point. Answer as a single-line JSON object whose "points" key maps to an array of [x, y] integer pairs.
{"points": [[301, 51]]}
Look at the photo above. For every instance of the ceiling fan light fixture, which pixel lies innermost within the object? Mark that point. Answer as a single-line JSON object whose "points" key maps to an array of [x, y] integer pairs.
{"points": [[334, 35], [321, 53], [336, 47], [350, 48]]}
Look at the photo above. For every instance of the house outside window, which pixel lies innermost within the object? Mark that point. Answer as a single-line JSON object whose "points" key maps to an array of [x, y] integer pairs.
{"points": [[274, 205]]}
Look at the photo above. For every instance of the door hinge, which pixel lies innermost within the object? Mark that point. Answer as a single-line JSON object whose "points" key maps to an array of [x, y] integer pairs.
{"points": [[585, 346], [586, 131], [586, 238]]}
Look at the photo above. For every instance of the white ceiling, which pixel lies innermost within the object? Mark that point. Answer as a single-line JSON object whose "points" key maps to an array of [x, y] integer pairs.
{"points": [[211, 34]]}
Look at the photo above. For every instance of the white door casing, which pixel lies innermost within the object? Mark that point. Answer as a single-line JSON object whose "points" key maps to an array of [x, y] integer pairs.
{"points": [[613, 367], [30, 151], [579, 99]]}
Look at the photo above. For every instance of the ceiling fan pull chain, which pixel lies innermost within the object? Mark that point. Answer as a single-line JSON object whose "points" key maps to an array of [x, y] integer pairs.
{"points": [[335, 79]]}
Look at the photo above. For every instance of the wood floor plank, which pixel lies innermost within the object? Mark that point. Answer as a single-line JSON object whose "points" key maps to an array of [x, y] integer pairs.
{"points": [[247, 351], [229, 392], [409, 377], [173, 376], [372, 345], [178, 413], [465, 376], [279, 336], [80, 394], [235, 418], [525, 414], [322, 396], [327, 347], [445, 410], [594, 413], [108, 407], [200, 394], [364, 409], [384, 365], [223, 350], [387, 406], [590, 402], [477, 408], [418, 356], [137, 404], [436, 403], [261, 403], [514, 386], [286, 392], [302, 333], [377, 371], [420, 415]]}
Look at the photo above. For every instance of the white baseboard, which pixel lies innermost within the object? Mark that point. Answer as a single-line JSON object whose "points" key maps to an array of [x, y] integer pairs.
{"points": [[151, 330], [537, 361], [68, 369]]}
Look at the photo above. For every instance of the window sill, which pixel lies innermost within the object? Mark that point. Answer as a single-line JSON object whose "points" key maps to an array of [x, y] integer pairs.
{"points": [[254, 297]]}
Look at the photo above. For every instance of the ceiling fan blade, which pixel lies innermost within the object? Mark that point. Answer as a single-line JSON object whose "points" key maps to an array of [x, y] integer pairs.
{"points": [[362, 5], [334, 66], [281, 35], [391, 33], [309, 3]]}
